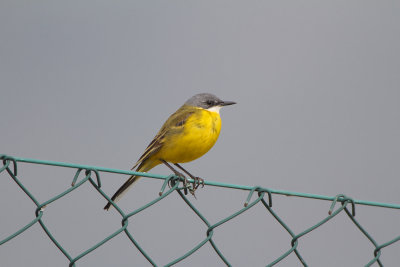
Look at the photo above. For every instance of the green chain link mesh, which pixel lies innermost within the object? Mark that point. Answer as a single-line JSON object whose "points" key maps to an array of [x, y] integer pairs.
{"points": [[92, 175]]}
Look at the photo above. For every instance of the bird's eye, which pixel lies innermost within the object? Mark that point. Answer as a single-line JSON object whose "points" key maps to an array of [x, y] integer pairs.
{"points": [[209, 102]]}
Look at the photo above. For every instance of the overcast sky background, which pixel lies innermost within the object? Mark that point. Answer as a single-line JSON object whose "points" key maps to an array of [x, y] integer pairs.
{"points": [[91, 82]]}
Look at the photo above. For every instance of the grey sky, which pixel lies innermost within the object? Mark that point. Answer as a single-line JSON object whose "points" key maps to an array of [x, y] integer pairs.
{"points": [[317, 87]]}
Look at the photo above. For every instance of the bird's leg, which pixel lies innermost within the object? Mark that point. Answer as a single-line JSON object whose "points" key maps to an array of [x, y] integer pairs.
{"points": [[197, 181], [185, 180]]}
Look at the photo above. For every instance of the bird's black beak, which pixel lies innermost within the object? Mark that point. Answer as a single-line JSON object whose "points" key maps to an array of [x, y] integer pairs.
{"points": [[227, 103]]}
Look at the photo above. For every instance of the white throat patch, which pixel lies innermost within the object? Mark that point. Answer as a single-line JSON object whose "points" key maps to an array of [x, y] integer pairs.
{"points": [[215, 109]]}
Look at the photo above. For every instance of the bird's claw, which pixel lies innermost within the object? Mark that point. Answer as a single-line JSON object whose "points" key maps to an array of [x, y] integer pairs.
{"points": [[186, 184], [192, 191], [197, 182]]}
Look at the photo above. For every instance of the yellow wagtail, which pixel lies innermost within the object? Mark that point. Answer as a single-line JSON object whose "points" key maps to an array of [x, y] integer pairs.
{"points": [[186, 135]]}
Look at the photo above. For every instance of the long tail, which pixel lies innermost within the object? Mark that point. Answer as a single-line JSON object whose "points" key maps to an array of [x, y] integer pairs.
{"points": [[122, 190], [145, 166]]}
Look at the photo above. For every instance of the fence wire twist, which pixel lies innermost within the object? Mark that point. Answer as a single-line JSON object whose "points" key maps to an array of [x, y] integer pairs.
{"points": [[92, 175]]}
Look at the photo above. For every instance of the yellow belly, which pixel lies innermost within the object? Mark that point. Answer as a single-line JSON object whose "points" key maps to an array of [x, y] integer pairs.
{"points": [[201, 131]]}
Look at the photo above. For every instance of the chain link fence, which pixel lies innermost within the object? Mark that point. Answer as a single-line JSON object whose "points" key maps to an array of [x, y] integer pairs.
{"points": [[257, 196]]}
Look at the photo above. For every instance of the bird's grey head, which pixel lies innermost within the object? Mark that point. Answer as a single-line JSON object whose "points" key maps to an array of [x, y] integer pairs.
{"points": [[207, 101]]}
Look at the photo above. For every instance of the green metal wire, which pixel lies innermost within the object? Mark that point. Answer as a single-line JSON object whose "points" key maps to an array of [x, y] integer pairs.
{"points": [[10, 166]]}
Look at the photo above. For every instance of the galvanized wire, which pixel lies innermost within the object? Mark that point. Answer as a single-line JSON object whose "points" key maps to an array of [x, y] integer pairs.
{"points": [[92, 175]]}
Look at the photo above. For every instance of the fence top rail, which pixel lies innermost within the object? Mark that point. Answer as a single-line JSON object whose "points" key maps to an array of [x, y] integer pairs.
{"points": [[206, 182]]}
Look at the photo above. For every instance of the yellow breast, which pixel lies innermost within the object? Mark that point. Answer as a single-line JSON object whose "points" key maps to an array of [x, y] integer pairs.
{"points": [[199, 134]]}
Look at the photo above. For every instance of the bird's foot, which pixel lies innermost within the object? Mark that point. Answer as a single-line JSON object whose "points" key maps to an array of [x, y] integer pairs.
{"points": [[197, 181], [171, 182], [186, 184]]}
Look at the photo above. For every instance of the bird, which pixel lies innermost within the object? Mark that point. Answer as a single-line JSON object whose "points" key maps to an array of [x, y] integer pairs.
{"points": [[186, 135]]}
